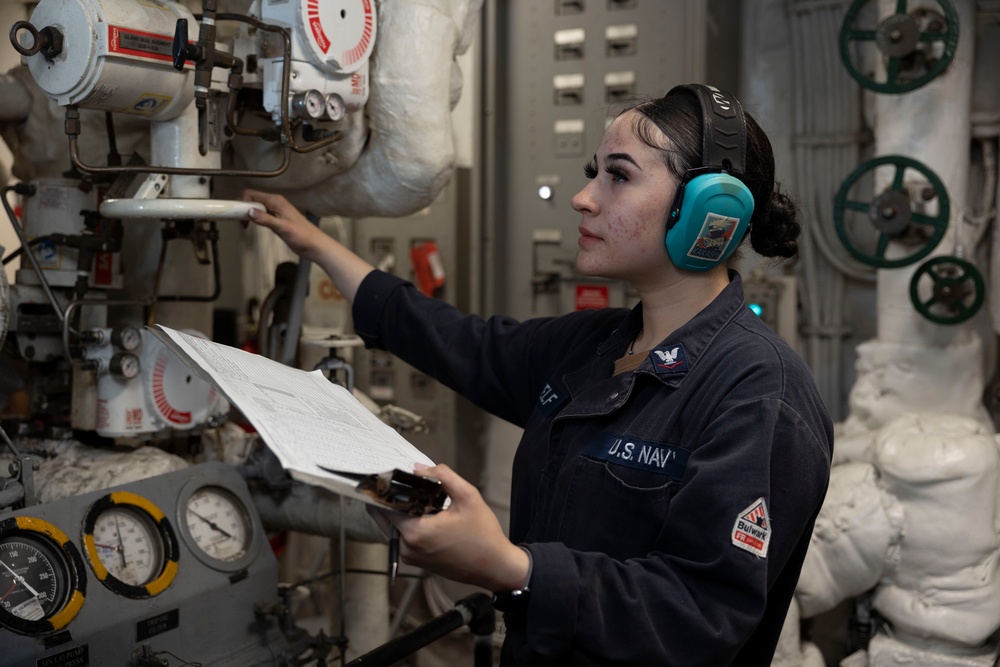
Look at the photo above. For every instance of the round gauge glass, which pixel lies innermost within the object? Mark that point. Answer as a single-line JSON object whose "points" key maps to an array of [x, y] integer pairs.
{"points": [[40, 587], [130, 545], [125, 365], [218, 524], [127, 338], [33, 578]]}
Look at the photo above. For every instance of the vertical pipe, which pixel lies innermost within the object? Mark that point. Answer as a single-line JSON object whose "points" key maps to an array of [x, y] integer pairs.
{"points": [[930, 125], [366, 608], [174, 143]]}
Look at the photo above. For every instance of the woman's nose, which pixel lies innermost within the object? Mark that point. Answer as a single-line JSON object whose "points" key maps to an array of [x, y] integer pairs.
{"points": [[583, 201]]}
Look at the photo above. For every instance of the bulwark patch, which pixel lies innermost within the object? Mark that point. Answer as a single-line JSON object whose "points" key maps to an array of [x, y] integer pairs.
{"points": [[752, 530]]}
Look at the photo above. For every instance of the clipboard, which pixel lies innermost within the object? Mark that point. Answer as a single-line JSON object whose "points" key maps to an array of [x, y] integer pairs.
{"points": [[406, 492]]}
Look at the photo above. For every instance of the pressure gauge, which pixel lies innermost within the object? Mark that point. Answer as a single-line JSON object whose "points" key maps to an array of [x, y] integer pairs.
{"points": [[335, 107], [124, 365], [128, 339], [217, 525], [40, 587], [308, 104], [130, 545]]}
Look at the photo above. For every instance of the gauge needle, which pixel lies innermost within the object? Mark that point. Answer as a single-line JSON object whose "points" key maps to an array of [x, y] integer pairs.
{"points": [[9, 591], [121, 547], [19, 580], [211, 523]]}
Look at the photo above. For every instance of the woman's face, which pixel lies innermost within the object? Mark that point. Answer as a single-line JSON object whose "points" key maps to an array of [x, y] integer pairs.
{"points": [[624, 207]]}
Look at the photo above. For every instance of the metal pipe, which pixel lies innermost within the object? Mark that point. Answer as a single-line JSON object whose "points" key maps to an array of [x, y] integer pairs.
{"points": [[474, 611]]}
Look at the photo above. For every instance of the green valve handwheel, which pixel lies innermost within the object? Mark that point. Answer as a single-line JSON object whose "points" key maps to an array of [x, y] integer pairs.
{"points": [[947, 290], [896, 214], [916, 46]]}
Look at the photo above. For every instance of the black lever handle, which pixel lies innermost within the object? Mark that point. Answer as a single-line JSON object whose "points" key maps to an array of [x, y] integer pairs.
{"points": [[182, 50]]}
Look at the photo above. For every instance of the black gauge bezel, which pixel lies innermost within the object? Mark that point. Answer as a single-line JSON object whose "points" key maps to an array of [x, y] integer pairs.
{"points": [[67, 561], [164, 531]]}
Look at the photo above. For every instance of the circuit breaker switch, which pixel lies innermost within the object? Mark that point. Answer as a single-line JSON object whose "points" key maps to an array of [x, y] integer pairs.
{"points": [[569, 43], [621, 40], [619, 86], [568, 89]]}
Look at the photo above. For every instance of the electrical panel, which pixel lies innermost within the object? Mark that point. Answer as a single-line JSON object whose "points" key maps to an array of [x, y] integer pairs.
{"points": [[562, 66]]}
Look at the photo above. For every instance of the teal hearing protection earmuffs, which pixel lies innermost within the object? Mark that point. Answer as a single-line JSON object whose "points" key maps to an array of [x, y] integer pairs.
{"points": [[712, 207]]}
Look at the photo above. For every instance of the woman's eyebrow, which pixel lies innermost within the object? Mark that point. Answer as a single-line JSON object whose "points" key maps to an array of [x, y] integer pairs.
{"points": [[624, 156]]}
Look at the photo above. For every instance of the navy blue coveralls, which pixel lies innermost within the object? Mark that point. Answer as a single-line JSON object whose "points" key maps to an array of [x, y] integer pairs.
{"points": [[667, 510]]}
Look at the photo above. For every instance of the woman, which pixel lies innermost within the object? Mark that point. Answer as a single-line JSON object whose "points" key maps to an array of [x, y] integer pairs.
{"points": [[659, 443]]}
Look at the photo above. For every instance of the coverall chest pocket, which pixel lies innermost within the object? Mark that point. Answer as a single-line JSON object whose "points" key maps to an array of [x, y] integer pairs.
{"points": [[615, 509]]}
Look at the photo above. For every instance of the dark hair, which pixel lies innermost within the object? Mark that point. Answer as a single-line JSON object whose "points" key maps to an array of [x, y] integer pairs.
{"points": [[774, 225]]}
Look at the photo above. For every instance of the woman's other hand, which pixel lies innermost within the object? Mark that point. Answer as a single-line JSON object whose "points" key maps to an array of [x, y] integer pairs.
{"points": [[465, 542]]}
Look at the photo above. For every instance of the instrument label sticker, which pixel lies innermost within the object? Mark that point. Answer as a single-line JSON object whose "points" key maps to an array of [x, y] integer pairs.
{"points": [[77, 656], [158, 624], [128, 42]]}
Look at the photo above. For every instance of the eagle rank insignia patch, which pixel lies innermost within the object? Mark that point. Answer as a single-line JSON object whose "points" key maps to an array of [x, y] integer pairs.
{"points": [[752, 530]]}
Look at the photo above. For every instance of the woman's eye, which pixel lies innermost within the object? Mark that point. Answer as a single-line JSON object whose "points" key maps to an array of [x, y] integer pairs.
{"points": [[590, 170], [617, 175]]}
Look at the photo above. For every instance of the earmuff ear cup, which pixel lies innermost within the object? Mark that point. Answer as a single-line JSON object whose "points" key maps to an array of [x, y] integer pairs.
{"points": [[709, 222]]}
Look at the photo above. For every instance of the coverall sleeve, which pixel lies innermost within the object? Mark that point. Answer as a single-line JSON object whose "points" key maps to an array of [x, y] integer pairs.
{"points": [[696, 598], [497, 363]]}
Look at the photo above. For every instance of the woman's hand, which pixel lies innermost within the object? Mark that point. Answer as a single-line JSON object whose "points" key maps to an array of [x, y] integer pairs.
{"points": [[465, 542], [301, 236], [307, 240]]}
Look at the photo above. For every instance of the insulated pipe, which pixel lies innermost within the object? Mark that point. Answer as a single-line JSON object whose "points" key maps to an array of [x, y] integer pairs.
{"points": [[930, 125], [15, 100], [309, 509]]}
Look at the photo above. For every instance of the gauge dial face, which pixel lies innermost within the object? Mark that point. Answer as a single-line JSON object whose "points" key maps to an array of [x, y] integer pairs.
{"points": [[125, 365], [129, 545], [34, 582], [315, 105], [218, 523], [128, 338]]}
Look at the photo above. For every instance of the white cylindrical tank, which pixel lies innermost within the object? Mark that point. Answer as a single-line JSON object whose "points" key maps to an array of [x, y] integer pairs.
{"points": [[115, 55], [56, 207]]}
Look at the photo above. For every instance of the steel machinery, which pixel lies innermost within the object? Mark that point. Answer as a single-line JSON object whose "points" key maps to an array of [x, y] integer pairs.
{"points": [[148, 117]]}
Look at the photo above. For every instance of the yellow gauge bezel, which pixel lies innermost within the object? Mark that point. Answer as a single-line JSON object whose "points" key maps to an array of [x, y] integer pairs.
{"points": [[164, 532], [70, 561]]}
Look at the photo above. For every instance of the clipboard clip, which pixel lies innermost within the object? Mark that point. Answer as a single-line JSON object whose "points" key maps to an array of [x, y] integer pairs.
{"points": [[407, 492]]}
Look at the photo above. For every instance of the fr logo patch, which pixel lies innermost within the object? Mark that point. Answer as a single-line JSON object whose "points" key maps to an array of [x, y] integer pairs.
{"points": [[752, 529]]}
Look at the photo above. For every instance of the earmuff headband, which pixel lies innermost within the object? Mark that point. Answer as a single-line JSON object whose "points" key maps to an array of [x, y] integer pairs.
{"points": [[719, 205], [723, 144]]}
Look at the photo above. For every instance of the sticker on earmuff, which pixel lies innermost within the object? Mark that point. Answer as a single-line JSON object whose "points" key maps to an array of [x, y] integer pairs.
{"points": [[714, 238]]}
